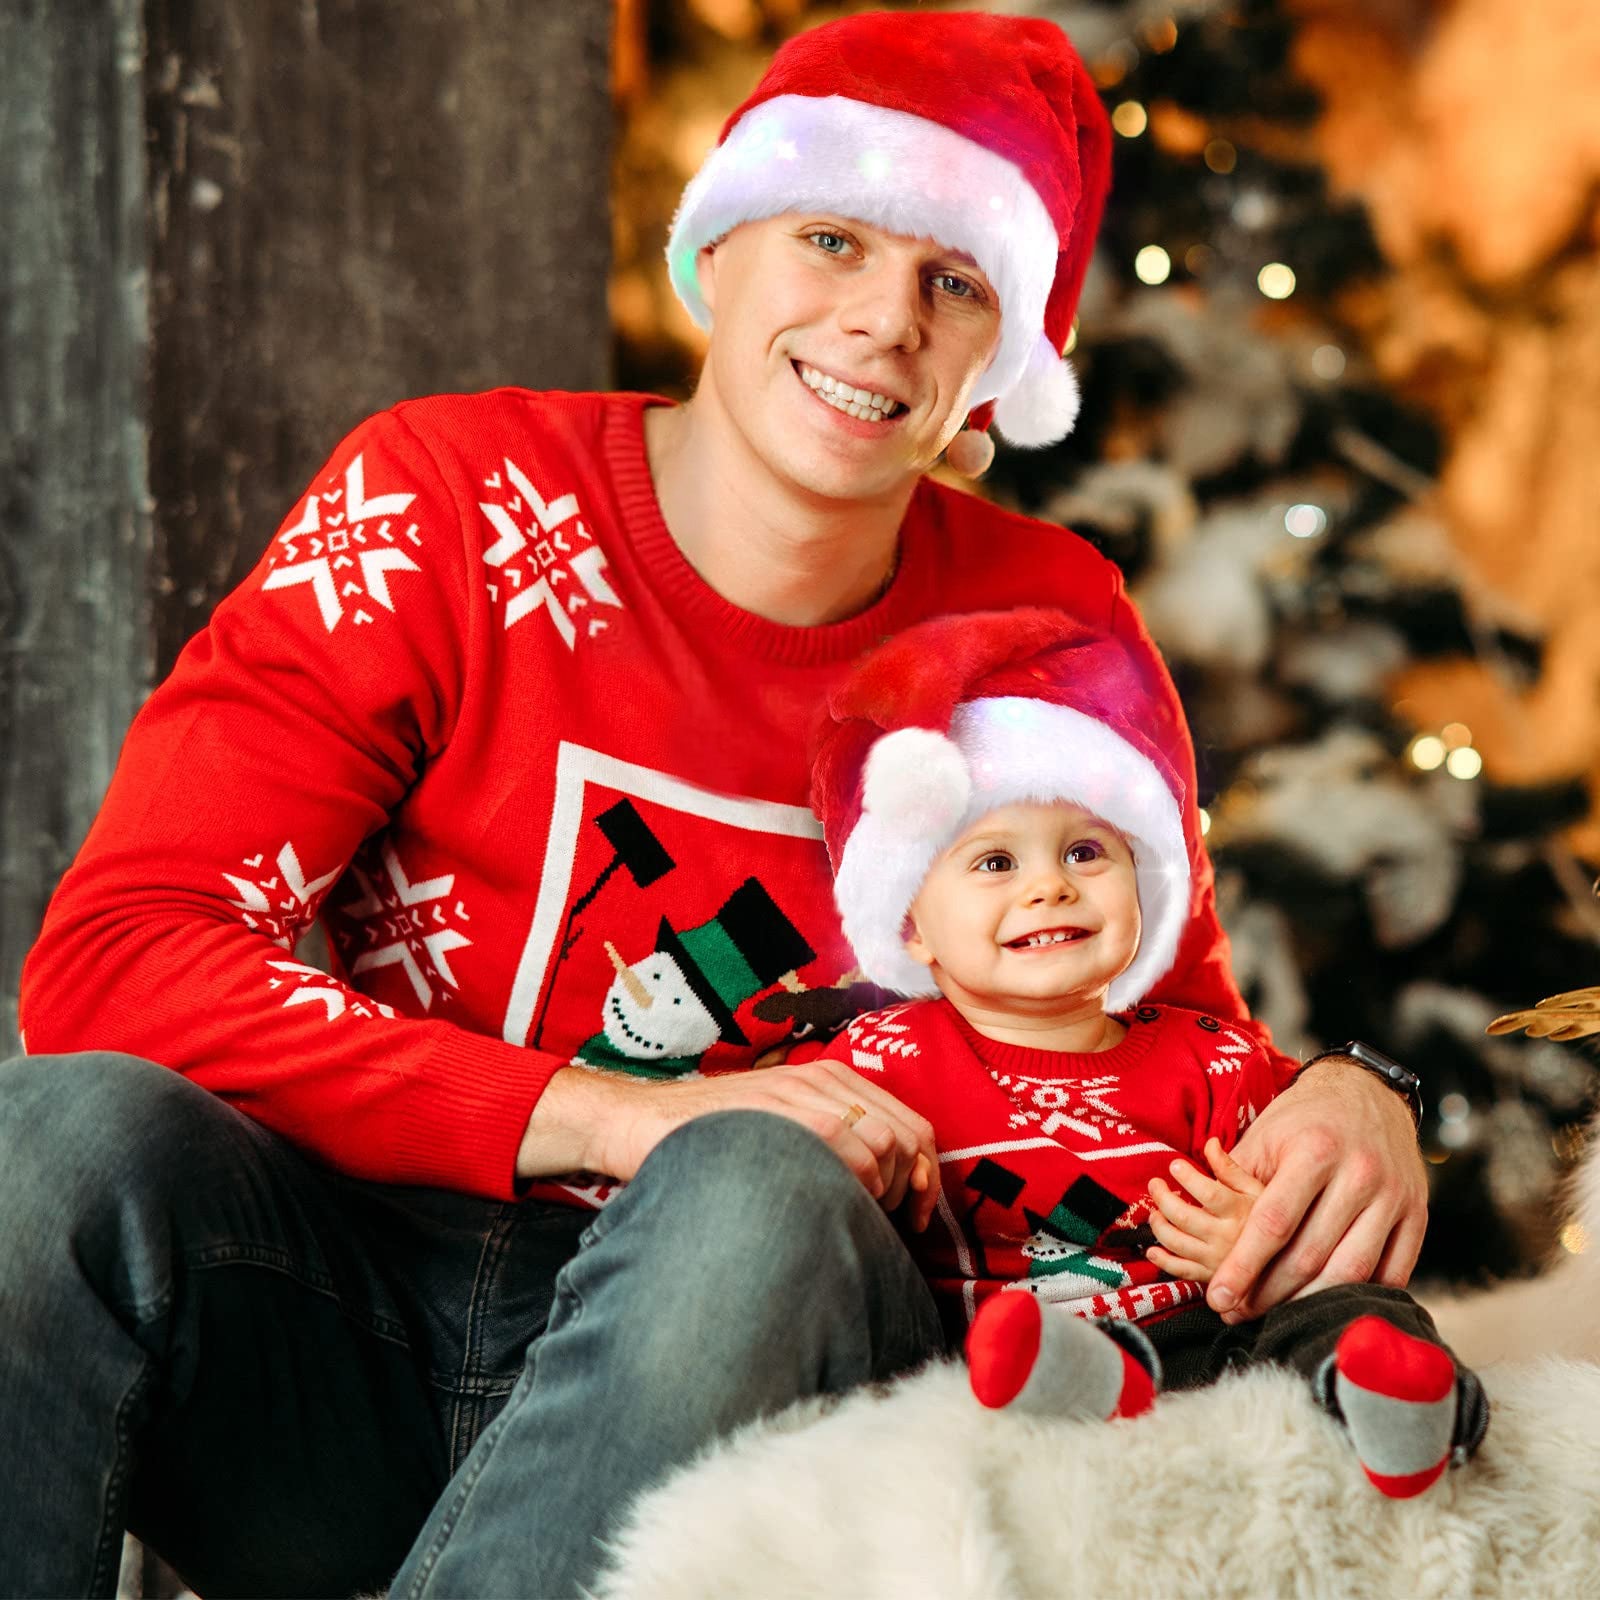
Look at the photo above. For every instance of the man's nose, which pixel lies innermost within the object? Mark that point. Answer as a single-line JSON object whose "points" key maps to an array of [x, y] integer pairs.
{"points": [[886, 305]]}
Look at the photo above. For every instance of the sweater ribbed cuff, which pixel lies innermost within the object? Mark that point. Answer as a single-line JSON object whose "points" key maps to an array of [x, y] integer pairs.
{"points": [[461, 1122]]}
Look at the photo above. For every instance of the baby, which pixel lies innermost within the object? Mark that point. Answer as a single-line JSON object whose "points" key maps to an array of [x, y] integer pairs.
{"points": [[1008, 831]]}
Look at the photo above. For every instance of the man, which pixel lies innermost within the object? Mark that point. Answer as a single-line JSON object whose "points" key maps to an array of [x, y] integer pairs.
{"points": [[516, 703]]}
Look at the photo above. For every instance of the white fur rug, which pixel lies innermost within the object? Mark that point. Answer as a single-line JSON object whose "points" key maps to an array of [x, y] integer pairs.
{"points": [[1243, 1490]]}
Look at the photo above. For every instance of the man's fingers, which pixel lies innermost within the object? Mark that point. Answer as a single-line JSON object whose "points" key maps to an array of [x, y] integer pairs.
{"points": [[1269, 1227], [924, 1192], [1320, 1254], [878, 1138], [913, 1131], [912, 1136], [1399, 1256]]}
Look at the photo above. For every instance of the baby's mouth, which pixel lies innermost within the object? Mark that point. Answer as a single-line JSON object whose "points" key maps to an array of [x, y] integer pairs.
{"points": [[1047, 936]]}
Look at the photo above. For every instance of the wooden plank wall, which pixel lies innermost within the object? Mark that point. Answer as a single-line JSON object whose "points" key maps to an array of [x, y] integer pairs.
{"points": [[228, 231]]}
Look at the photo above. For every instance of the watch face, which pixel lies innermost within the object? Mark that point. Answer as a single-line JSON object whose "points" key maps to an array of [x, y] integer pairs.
{"points": [[1402, 1080]]}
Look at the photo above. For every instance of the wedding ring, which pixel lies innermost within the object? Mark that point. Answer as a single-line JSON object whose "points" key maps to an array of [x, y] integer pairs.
{"points": [[851, 1115]]}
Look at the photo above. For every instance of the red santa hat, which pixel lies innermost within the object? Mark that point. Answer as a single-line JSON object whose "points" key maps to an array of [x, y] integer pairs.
{"points": [[964, 714], [983, 132]]}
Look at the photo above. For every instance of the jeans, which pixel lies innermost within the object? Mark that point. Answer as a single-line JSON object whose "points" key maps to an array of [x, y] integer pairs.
{"points": [[277, 1375]]}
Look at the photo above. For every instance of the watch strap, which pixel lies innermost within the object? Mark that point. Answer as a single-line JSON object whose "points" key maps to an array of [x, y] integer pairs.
{"points": [[1402, 1080]]}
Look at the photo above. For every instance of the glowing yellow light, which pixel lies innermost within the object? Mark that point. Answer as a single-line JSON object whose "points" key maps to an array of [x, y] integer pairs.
{"points": [[1463, 763], [1327, 362], [1455, 734], [1221, 157], [1276, 281], [1129, 119], [1305, 522], [1574, 1238], [1152, 264], [1072, 339], [1427, 753], [1161, 35], [1205, 821]]}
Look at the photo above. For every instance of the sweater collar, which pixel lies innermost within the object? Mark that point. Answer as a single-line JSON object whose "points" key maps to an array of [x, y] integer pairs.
{"points": [[902, 602], [1030, 1062]]}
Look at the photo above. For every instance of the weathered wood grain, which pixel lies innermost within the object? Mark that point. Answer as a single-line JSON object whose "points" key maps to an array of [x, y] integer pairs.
{"points": [[76, 633], [227, 232]]}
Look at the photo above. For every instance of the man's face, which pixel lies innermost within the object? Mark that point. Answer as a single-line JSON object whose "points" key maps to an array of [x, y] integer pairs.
{"points": [[808, 310], [1034, 907]]}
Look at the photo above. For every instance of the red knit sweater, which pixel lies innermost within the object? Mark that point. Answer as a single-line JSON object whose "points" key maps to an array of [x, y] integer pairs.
{"points": [[475, 711], [1046, 1156]]}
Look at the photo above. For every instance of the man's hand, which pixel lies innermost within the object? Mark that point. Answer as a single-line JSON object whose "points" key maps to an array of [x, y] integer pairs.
{"points": [[608, 1123], [1345, 1199], [1195, 1239]]}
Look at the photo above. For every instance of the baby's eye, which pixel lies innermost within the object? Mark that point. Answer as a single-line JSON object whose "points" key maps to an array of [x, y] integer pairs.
{"points": [[995, 861], [1083, 852]]}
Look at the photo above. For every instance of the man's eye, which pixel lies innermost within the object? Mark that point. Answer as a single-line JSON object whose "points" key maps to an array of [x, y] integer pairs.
{"points": [[1083, 852], [833, 243], [954, 283]]}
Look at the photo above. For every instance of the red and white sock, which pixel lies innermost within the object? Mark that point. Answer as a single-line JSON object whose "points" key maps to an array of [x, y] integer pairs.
{"points": [[1051, 1363], [1398, 1398]]}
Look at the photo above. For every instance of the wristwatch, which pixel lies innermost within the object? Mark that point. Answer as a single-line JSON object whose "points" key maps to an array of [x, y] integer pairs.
{"points": [[1402, 1080]]}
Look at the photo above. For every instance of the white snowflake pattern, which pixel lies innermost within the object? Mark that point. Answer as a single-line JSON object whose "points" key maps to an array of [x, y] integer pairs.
{"points": [[1077, 1105], [282, 905], [345, 552], [549, 563], [312, 986], [1230, 1056], [877, 1034], [403, 922]]}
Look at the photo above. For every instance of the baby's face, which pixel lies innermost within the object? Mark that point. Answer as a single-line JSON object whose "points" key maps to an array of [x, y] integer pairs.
{"points": [[1035, 904]]}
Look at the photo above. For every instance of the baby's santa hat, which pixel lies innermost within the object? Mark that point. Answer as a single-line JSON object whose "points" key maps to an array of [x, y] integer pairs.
{"points": [[963, 714], [983, 132]]}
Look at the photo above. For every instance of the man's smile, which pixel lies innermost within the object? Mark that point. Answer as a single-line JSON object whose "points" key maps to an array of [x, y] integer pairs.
{"points": [[865, 405]]}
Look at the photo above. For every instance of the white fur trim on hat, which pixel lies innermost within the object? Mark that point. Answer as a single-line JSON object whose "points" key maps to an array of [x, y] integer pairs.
{"points": [[1042, 405], [903, 173], [915, 789], [1019, 749], [915, 779]]}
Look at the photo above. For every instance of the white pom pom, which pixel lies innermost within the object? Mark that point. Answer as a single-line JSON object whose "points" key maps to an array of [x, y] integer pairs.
{"points": [[1042, 405], [917, 780]]}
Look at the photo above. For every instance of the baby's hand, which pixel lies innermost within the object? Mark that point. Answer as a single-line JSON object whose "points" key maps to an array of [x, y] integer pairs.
{"points": [[1195, 1238]]}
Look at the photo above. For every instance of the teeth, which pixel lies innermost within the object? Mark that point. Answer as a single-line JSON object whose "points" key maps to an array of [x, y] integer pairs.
{"points": [[863, 404], [1035, 940]]}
